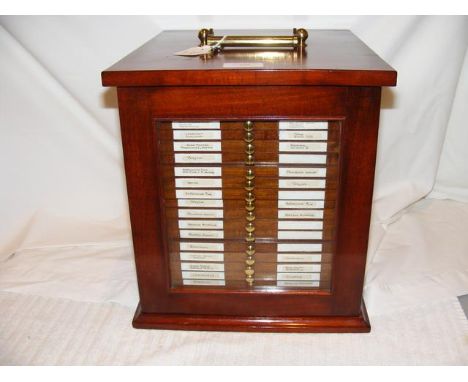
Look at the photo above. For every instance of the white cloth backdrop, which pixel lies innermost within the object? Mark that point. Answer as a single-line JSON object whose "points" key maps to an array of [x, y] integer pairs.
{"points": [[61, 162], [64, 227], [61, 157]]}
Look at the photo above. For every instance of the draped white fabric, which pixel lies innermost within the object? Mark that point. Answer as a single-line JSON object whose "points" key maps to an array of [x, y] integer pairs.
{"points": [[62, 174], [65, 233]]}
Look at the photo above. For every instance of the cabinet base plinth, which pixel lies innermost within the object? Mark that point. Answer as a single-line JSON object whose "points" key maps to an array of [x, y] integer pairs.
{"points": [[317, 324]]}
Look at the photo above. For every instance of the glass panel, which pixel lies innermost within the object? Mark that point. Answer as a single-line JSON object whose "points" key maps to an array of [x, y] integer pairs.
{"points": [[250, 205]]}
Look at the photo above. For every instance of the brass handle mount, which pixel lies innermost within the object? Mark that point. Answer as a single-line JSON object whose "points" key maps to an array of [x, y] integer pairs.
{"points": [[297, 40]]}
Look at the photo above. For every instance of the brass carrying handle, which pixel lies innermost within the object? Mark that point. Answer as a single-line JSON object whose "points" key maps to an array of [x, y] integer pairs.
{"points": [[297, 40]]}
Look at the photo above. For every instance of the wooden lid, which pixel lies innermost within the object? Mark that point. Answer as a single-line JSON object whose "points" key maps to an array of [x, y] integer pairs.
{"points": [[332, 57]]}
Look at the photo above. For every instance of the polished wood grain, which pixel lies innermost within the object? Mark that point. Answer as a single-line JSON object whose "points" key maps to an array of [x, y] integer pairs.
{"points": [[332, 57], [312, 324], [339, 80]]}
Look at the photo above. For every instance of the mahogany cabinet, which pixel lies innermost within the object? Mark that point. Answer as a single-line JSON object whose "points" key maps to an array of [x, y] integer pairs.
{"points": [[249, 176]]}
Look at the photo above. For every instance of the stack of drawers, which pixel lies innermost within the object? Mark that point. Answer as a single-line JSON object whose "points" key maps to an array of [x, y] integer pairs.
{"points": [[249, 204]]}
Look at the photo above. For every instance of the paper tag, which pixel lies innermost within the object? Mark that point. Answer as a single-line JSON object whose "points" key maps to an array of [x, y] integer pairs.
{"points": [[297, 235], [194, 256], [205, 282], [298, 276], [201, 246], [205, 275], [287, 283], [199, 203], [201, 224], [299, 247], [194, 51], [205, 267], [197, 171], [200, 214], [204, 234], [290, 268], [297, 258]]}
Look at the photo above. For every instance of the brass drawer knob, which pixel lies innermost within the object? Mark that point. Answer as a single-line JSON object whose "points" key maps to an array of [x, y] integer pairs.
{"points": [[250, 207], [249, 148], [249, 271], [250, 252], [250, 176], [248, 126], [250, 262], [250, 280], [250, 216], [249, 157], [250, 198], [249, 138], [250, 238], [250, 227]]}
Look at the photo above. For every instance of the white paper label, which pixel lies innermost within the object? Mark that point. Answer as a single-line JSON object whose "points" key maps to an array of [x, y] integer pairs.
{"points": [[198, 158], [299, 258], [203, 275], [291, 135], [195, 51], [303, 125], [201, 256], [198, 182], [196, 125], [305, 158], [300, 214], [299, 235], [298, 276], [301, 195], [201, 214], [186, 234], [242, 65], [301, 183], [301, 203], [215, 247], [298, 268], [302, 172], [202, 267], [302, 146], [197, 146], [199, 194], [196, 135], [306, 284], [199, 203], [299, 247], [200, 224], [197, 171], [204, 282], [299, 224]]}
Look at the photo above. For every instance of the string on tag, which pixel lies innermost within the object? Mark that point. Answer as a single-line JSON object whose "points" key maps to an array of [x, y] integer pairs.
{"points": [[200, 50]]}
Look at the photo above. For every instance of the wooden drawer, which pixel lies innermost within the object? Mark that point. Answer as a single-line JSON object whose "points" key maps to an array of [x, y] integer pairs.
{"points": [[260, 257], [263, 284], [234, 209], [235, 229], [235, 272], [236, 171], [261, 246], [234, 131]]}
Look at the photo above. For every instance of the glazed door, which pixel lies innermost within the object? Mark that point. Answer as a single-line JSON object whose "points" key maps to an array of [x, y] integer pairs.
{"points": [[252, 199]]}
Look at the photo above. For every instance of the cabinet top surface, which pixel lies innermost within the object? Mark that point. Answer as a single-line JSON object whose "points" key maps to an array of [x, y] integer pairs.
{"points": [[332, 57]]}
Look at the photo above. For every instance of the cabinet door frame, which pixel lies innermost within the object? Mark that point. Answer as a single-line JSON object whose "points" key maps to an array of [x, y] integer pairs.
{"points": [[359, 109]]}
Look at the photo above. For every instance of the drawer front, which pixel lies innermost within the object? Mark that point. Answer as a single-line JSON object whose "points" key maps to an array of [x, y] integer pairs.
{"points": [[250, 204]]}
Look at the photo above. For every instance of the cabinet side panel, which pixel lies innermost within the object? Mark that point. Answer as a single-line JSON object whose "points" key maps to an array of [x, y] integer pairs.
{"points": [[140, 152], [359, 146]]}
